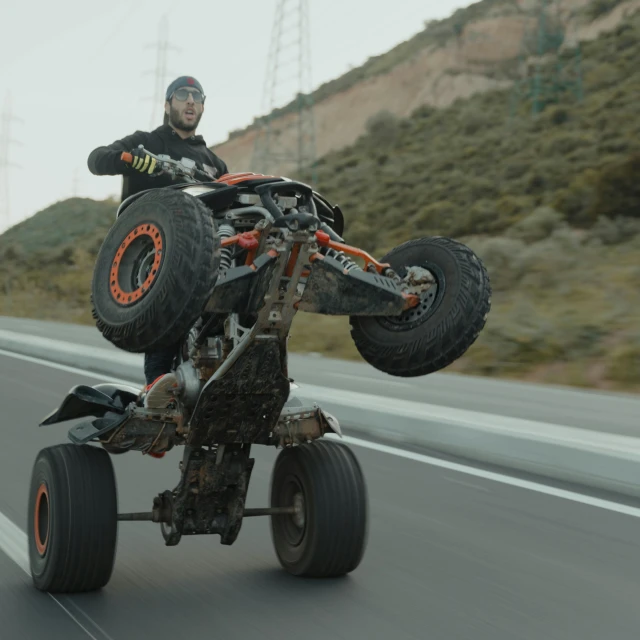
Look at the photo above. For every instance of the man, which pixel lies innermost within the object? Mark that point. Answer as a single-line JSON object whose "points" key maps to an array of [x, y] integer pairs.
{"points": [[177, 138], [184, 106]]}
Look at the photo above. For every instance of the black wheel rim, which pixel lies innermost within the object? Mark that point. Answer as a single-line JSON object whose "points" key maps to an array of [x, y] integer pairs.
{"points": [[136, 264], [138, 255], [430, 300], [142, 266], [293, 527]]}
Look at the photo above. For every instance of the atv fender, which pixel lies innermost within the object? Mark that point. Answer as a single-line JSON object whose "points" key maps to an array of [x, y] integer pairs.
{"points": [[84, 432], [83, 400]]}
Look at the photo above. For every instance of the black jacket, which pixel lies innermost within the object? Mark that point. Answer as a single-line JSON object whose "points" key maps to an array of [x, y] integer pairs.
{"points": [[105, 161]]}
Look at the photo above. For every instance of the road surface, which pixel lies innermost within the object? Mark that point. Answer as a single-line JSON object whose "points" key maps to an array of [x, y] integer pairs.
{"points": [[450, 556]]}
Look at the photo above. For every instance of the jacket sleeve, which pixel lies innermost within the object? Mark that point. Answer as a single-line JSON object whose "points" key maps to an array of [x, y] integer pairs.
{"points": [[105, 161], [218, 162]]}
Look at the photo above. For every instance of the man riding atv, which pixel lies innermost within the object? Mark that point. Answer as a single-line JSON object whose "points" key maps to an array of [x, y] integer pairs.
{"points": [[184, 106]]}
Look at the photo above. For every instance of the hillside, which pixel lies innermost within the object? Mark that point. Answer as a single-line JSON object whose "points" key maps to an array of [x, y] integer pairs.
{"points": [[479, 48], [46, 261], [73, 222], [551, 204], [472, 168]]}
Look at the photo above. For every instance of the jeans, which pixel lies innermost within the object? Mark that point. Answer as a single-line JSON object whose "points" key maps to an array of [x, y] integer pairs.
{"points": [[158, 362]]}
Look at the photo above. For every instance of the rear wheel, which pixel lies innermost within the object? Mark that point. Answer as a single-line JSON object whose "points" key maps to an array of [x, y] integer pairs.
{"points": [[72, 519], [326, 537], [155, 271], [447, 321]]}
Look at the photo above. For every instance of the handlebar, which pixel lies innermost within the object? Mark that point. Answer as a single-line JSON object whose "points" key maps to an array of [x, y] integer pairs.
{"points": [[168, 165], [266, 192]]}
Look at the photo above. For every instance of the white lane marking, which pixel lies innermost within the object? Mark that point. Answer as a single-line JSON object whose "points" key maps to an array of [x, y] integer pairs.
{"points": [[13, 541], [101, 353], [498, 477], [74, 618], [409, 455], [63, 367], [346, 376], [103, 633], [477, 421]]}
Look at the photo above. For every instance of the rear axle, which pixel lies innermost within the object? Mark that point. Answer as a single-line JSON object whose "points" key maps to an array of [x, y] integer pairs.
{"points": [[150, 516]]}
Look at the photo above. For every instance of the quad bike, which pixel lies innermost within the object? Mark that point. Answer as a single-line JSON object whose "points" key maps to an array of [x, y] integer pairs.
{"points": [[222, 267]]}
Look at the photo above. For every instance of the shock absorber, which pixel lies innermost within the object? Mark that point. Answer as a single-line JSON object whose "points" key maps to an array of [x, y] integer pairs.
{"points": [[346, 262], [225, 231]]}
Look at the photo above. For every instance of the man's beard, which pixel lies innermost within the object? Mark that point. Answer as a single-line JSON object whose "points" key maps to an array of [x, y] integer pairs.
{"points": [[179, 123]]}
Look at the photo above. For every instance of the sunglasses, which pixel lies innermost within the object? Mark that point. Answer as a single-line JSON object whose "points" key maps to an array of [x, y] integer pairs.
{"points": [[183, 94]]}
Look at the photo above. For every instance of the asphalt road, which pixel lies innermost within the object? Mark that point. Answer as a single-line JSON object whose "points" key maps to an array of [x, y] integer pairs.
{"points": [[450, 556], [600, 411]]}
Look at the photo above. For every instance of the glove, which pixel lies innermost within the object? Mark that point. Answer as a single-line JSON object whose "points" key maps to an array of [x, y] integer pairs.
{"points": [[143, 162]]}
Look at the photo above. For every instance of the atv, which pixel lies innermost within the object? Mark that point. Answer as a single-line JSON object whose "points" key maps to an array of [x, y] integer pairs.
{"points": [[223, 267]]}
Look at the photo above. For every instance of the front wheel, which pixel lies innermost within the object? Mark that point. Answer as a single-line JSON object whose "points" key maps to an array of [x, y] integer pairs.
{"points": [[155, 271], [447, 321], [72, 519], [326, 537]]}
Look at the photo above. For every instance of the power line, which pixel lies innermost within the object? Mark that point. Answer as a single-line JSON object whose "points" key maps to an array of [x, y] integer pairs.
{"points": [[126, 17], [6, 141], [163, 46], [288, 144]]}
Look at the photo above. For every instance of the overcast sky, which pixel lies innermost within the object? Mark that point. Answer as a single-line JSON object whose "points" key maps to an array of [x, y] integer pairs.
{"points": [[80, 74]]}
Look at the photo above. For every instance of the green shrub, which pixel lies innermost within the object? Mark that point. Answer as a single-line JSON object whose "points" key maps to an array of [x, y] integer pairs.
{"points": [[516, 169], [383, 126], [504, 258], [617, 189], [538, 225], [603, 76], [623, 364], [615, 231], [565, 142], [576, 200], [598, 8]]}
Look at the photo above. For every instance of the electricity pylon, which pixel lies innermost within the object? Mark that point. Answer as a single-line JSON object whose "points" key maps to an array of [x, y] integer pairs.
{"points": [[552, 74], [163, 46], [5, 163], [286, 140]]}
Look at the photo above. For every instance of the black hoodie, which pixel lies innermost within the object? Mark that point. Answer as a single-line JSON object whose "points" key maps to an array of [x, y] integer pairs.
{"points": [[105, 161]]}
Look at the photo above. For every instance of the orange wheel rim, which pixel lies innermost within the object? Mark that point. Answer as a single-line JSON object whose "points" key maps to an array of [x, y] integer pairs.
{"points": [[145, 237], [41, 519]]}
